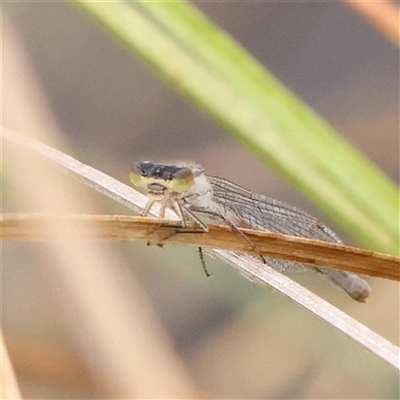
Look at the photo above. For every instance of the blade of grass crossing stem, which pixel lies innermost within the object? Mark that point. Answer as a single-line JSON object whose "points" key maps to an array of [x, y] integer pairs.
{"points": [[303, 127], [259, 111]]}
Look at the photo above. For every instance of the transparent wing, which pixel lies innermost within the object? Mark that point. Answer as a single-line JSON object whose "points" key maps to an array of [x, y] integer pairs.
{"points": [[264, 213]]}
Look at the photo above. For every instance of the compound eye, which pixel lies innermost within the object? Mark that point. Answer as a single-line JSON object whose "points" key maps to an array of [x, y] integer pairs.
{"points": [[182, 180], [182, 173], [136, 177]]}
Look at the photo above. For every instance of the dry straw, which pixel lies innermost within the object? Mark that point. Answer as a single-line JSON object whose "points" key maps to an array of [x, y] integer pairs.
{"points": [[219, 242]]}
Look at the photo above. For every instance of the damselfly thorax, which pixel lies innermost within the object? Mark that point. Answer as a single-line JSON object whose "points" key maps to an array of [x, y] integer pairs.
{"points": [[185, 188]]}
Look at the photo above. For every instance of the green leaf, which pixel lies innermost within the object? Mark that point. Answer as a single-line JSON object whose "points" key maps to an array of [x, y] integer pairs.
{"points": [[216, 74]]}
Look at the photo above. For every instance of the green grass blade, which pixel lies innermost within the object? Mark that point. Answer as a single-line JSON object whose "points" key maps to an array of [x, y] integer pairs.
{"points": [[202, 62]]}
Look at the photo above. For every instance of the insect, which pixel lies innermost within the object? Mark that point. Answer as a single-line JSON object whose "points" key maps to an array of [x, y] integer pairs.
{"points": [[186, 189]]}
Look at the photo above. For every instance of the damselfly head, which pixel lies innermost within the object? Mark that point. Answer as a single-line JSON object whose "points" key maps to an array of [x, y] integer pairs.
{"points": [[160, 181]]}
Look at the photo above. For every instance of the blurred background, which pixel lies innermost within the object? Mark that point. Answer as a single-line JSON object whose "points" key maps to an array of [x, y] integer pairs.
{"points": [[232, 338]]}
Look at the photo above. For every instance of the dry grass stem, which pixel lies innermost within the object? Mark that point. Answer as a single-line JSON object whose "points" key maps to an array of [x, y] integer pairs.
{"points": [[31, 227], [8, 384], [247, 265], [382, 15]]}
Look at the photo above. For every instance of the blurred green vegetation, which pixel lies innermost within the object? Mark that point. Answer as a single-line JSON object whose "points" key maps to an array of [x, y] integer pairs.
{"points": [[218, 76]]}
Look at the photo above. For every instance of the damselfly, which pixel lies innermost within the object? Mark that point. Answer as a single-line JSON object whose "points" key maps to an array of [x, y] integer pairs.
{"points": [[185, 188]]}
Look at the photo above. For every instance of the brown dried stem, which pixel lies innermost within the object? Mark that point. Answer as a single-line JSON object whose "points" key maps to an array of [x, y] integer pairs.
{"points": [[247, 265], [32, 227], [383, 15]]}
